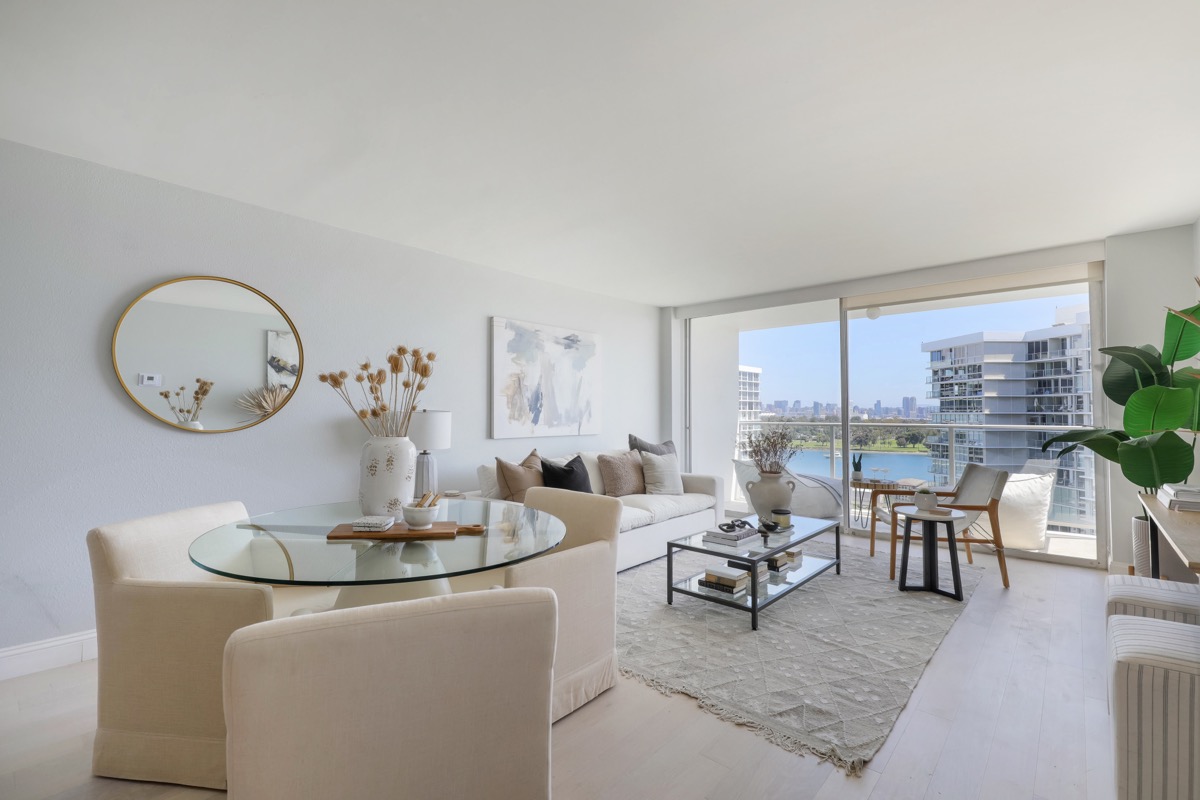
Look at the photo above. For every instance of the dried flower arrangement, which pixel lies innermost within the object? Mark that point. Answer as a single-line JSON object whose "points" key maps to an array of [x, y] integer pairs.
{"points": [[188, 413], [265, 400], [770, 449], [389, 393]]}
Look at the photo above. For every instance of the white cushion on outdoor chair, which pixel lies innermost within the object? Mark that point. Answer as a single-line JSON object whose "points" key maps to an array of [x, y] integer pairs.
{"points": [[1025, 510]]}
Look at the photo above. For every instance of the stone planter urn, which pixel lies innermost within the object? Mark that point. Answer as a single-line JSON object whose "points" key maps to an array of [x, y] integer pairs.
{"points": [[769, 492]]}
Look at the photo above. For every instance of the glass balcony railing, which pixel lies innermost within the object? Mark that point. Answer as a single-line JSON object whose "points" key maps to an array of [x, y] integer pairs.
{"points": [[925, 456]]}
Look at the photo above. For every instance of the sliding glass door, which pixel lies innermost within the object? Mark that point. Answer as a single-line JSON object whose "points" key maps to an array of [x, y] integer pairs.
{"points": [[932, 384]]}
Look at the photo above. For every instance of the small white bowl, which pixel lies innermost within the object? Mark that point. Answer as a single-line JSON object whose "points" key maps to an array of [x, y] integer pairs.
{"points": [[420, 519]]}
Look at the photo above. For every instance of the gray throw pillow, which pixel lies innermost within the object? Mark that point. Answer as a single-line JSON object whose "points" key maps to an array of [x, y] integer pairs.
{"points": [[622, 474], [662, 473], [636, 443]]}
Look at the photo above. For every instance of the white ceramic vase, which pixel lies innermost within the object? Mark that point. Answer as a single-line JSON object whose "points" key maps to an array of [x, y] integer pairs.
{"points": [[769, 492], [191, 425], [1141, 546], [387, 475]]}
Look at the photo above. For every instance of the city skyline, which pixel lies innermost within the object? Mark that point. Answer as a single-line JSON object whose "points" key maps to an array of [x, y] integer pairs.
{"points": [[802, 362]]}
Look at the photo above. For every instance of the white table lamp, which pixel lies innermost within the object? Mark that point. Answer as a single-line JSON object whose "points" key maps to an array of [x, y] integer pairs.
{"points": [[429, 430]]}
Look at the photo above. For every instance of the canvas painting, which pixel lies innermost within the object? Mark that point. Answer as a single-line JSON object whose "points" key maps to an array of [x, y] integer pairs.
{"points": [[283, 358], [545, 381]]}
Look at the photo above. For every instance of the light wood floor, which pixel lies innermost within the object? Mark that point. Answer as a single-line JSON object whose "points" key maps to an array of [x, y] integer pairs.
{"points": [[1012, 707]]}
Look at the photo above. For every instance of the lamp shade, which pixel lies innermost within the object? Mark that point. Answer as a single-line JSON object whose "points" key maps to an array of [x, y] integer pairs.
{"points": [[430, 430]]}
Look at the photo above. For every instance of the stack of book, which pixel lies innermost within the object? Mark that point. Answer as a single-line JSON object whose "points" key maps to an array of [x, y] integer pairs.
{"points": [[731, 539], [1180, 497], [726, 579], [786, 560], [762, 567]]}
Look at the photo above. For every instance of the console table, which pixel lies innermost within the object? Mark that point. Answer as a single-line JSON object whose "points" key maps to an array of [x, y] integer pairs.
{"points": [[1179, 530]]}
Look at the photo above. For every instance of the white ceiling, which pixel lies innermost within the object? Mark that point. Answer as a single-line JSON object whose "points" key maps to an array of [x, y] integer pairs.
{"points": [[664, 151]]}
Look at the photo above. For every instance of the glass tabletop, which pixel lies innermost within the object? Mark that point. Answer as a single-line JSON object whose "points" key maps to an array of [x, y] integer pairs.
{"points": [[757, 546], [289, 547]]}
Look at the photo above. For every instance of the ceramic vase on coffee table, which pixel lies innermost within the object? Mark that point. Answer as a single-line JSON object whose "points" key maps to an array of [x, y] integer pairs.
{"points": [[769, 492]]}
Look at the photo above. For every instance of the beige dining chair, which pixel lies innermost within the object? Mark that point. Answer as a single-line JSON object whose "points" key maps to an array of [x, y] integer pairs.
{"points": [[977, 493], [439, 697], [582, 571], [161, 628]]}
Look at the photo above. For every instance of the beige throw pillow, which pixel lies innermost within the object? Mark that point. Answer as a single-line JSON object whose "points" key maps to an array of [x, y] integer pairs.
{"points": [[661, 473], [513, 479], [622, 474]]}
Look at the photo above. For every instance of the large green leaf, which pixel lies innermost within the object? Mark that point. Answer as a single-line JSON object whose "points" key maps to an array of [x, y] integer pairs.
{"points": [[1151, 461], [1130, 369], [1182, 336], [1156, 409], [1104, 441], [1189, 378]]}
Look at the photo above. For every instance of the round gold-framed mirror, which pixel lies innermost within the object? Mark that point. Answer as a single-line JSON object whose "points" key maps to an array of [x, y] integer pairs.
{"points": [[207, 354]]}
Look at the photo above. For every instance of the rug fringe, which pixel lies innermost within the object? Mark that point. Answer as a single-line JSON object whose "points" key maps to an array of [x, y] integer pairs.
{"points": [[852, 766]]}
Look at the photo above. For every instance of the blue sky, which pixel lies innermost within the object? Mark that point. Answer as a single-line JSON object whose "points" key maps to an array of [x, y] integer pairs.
{"points": [[886, 361]]}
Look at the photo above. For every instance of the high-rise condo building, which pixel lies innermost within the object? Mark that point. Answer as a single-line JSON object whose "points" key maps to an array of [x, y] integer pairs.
{"points": [[1040, 377]]}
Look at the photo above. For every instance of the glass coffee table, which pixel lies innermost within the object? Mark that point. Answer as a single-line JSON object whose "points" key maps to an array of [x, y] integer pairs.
{"points": [[747, 555]]}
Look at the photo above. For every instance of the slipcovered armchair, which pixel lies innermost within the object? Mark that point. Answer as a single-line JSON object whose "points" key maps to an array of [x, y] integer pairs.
{"points": [[439, 697], [161, 628], [582, 571]]}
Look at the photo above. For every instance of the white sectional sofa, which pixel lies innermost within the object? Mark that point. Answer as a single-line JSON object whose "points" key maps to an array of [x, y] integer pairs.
{"points": [[648, 521]]}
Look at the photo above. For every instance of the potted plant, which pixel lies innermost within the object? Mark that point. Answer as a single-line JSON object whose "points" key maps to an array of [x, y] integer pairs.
{"points": [[924, 499], [770, 450], [856, 466], [1160, 400]]}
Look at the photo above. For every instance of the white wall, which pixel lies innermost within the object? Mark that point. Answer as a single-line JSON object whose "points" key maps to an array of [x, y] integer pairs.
{"points": [[78, 242], [1143, 273]]}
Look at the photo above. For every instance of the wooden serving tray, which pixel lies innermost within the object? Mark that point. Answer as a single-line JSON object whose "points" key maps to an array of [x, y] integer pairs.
{"points": [[399, 532]]}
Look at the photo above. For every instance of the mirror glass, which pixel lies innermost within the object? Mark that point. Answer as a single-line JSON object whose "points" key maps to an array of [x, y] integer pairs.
{"points": [[207, 354]]}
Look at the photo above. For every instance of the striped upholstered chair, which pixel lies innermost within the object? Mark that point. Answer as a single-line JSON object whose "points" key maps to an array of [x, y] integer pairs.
{"points": [[1134, 595], [1154, 671]]}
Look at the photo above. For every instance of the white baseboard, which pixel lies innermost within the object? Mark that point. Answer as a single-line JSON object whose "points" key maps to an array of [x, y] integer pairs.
{"points": [[60, 651]]}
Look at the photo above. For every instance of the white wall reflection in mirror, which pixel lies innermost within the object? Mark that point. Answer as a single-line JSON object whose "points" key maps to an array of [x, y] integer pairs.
{"points": [[222, 338]]}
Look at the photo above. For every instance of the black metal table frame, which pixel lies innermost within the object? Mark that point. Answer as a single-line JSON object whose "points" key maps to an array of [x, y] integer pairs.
{"points": [[929, 558], [752, 563]]}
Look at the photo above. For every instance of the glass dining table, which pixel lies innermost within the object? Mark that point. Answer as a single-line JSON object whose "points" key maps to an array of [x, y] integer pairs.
{"points": [[290, 548]]}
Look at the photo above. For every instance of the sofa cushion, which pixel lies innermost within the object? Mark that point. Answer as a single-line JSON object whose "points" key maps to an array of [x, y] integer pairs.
{"points": [[632, 517], [486, 474], [622, 474], [636, 443], [591, 462], [572, 476], [661, 473], [514, 479], [667, 506]]}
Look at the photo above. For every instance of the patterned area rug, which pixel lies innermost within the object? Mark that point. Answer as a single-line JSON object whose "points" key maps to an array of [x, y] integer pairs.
{"points": [[829, 668]]}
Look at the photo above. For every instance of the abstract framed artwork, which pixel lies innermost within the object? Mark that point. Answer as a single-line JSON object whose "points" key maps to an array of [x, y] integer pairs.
{"points": [[545, 380]]}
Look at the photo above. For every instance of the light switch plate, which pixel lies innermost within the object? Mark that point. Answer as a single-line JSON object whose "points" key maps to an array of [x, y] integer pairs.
{"points": [[149, 379]]}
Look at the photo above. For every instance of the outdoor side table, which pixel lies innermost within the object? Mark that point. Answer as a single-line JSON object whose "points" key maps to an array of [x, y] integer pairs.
{"points": [[929, 540]]}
